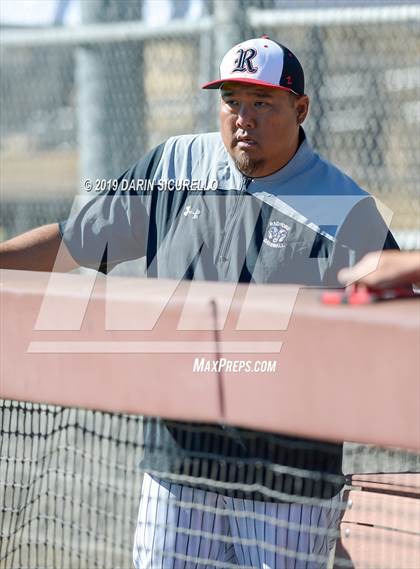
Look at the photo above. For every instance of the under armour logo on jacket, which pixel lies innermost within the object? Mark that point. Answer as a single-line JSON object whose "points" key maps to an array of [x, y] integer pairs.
{"points": [[188, 211], [244, 60]]}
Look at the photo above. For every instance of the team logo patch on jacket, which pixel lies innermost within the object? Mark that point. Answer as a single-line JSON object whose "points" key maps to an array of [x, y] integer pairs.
{"points": [[276, 234]]}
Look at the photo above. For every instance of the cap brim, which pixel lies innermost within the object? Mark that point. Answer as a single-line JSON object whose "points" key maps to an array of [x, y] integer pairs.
{"points": [[217, 84]]}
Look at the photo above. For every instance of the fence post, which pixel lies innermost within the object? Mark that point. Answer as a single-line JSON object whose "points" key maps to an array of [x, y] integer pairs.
{"points": [[110, 96], [228, 26], [229, 29]]}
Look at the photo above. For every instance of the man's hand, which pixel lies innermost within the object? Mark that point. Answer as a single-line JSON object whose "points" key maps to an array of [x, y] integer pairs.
{"points": [[40, 249], [386, 269]]}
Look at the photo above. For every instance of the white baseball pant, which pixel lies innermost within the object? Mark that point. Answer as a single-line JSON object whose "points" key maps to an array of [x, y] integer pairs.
{"points": [[180, 527]]}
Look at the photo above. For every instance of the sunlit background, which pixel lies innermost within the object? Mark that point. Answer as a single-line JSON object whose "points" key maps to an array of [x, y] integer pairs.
{"points": [[87, 86]]}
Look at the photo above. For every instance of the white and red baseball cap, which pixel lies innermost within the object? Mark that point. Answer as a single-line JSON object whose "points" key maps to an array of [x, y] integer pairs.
{"points": [[261, 61]]}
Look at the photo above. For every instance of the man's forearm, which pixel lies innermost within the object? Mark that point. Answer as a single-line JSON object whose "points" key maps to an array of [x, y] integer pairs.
{"points": [[40, 249]]}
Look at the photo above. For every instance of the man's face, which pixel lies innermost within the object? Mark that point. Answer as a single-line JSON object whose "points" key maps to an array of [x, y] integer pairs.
{"points": [[260, 126]]}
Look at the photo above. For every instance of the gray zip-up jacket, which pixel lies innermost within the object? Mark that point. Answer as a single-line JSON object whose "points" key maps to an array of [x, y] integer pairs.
{"points": [[194, 215]]}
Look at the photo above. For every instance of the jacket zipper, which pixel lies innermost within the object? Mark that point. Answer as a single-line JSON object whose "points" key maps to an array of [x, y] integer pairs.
{"points": [[235, 214]]}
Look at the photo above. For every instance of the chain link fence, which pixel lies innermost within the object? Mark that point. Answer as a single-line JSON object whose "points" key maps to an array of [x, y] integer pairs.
{"points": [[88, 101]]}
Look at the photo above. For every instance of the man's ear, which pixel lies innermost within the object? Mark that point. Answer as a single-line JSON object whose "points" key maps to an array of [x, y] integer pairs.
{"points": [[302, 108]]}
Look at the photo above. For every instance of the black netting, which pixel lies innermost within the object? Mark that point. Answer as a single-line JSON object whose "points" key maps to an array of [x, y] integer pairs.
{"points": [[71, 481]]}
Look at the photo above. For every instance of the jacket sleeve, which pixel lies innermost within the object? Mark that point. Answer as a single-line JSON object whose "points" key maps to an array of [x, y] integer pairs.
{"points": [[362, 231], [113, 227]]}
